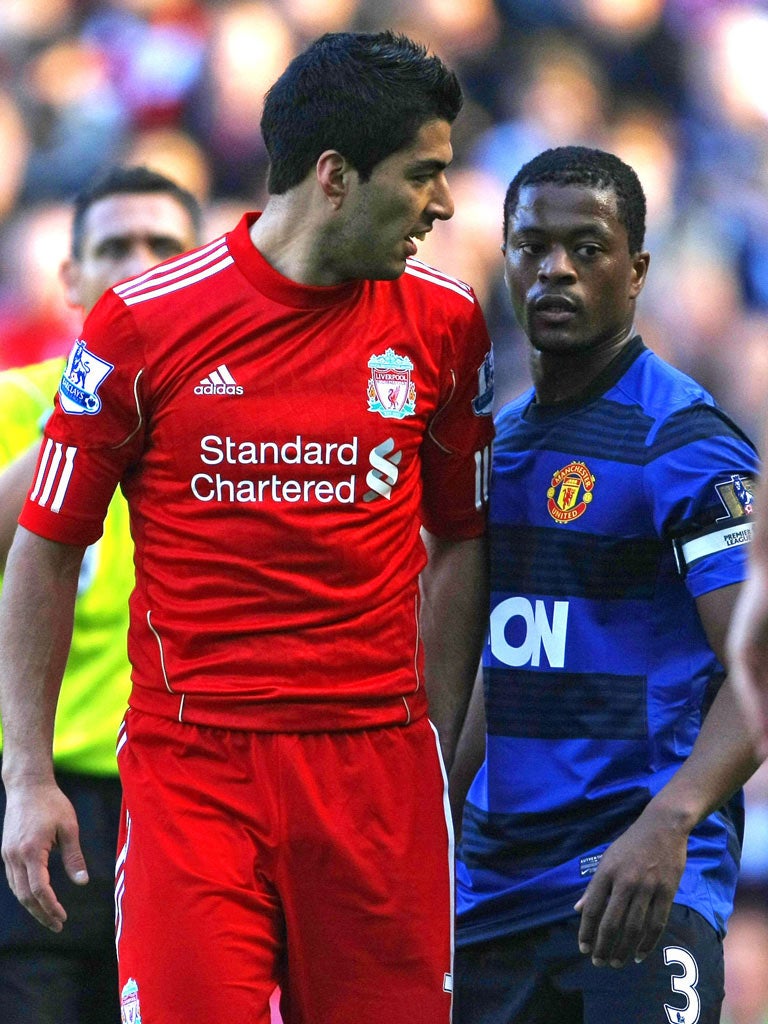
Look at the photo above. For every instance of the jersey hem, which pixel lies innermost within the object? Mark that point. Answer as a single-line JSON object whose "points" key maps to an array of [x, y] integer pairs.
{"points": [[487, 931], [280, 716]]}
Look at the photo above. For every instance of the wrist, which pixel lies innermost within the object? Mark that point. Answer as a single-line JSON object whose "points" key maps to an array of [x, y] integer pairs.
{"points": [[19, 773], [674, 814]]}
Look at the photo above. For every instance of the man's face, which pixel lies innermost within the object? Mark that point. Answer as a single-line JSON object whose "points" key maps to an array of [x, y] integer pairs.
{"points": [[405, 194], [571, 278], [123, 235]]}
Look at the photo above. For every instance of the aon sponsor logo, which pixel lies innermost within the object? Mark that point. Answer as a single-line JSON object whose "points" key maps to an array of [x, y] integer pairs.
{"points": [[523, 630]]}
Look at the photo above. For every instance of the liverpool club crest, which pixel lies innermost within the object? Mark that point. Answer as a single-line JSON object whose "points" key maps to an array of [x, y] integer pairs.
{"points": [[391, 392], [130, 1011], [570, 492]]}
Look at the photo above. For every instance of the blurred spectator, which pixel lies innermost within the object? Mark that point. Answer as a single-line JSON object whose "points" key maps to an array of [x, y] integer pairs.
{"points": [[174, 153], [555, 98], [250, 43], [35, 322], [76, 117], [15, 147], [310, 18], [746, 964], [678, 88]]}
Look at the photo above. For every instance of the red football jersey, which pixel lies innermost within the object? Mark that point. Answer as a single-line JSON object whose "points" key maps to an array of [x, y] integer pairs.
{"points": [[279, 446]]}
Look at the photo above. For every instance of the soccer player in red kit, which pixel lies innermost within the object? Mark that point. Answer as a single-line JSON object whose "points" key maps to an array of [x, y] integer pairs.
{"points": [[299, 416]]}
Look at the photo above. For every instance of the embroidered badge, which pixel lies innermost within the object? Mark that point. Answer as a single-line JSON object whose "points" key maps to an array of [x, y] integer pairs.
{"points": [[482, 405], [570, 492], [391, 392], [83, 375], [130, 1011], [737, 495]]}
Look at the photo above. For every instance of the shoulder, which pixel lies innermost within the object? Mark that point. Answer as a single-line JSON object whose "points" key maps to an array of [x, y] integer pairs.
{"points": [[680, 410], [176, 282], [661, 388], [509, 416], [430, 286], [685, 410]]}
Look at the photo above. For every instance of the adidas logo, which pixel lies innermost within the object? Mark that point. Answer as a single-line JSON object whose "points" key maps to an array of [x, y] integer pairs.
{"points": [[219, 382]]}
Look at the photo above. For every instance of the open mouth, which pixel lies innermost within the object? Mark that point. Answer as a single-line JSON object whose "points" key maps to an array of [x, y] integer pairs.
{"points": [[554, 309], [554, 304]]}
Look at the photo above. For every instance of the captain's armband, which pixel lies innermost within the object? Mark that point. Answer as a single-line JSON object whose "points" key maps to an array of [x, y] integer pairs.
{"points": [[690, 548]]}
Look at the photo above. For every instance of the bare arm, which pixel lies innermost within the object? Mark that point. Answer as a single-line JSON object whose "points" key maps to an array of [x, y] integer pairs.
{"points": [[748, 635], [454, 587], [36, 611], [627, 903], [14, 484], [470, 752]]}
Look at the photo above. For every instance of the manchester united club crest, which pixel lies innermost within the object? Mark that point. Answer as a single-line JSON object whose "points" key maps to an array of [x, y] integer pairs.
{"points": [[391, 392], [570, 492]]}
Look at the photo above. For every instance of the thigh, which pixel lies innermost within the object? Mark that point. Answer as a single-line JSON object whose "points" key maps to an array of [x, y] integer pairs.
{"points": [[40, 988], [505, 981], [366, 881], [69, 976], [99, 1003], [198, 922], [681, 982]]}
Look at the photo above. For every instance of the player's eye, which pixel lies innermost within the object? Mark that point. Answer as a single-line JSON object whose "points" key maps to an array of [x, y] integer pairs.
{"points": [[163, 248], [114, 248]]}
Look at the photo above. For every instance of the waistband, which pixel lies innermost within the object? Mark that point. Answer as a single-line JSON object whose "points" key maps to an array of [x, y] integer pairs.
{"points": [[280, 716]]}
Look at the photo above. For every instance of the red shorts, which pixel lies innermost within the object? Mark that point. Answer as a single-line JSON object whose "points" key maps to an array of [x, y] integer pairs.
{"points": [[321, 862]]}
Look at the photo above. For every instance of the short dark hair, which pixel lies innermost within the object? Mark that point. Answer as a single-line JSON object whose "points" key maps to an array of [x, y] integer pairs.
{"points": [[365, 95], [593, 168], [123, 180]]}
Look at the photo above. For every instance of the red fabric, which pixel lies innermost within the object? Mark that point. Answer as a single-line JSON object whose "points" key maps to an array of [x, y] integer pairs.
{"points": [[332, 847], [31, 338], [275, 513]]}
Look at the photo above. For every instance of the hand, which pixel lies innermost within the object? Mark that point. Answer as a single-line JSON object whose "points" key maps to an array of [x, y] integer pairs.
{"points": [[38, 817], [626, 905]]}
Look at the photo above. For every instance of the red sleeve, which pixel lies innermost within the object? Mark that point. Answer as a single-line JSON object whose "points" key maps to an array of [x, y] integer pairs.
{"points": [[95, 431], [457, 449]]}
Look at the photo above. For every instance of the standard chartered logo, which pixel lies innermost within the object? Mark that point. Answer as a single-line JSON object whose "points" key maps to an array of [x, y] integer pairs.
{"points": [[383, 474], [300, 470], [542, 634]]}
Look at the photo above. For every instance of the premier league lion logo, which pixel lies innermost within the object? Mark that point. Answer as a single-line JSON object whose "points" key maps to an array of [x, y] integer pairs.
{"points": [[83, 375]]}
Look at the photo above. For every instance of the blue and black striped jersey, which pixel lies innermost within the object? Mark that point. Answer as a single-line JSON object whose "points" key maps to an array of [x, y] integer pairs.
{"points": [[609, 517]]}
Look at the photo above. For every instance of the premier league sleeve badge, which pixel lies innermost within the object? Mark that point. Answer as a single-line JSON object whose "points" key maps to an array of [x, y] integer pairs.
{"points": [[82, 377]]}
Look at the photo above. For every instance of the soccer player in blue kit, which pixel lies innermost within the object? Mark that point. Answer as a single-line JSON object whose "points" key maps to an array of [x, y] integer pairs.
{"points": [[603, 826]]}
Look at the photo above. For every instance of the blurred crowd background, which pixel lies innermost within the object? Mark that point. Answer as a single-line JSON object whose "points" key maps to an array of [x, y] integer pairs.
{"points": [[678, 88]]}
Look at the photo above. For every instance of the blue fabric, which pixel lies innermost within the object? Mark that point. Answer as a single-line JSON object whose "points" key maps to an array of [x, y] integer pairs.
{"points": [[597, 670]]}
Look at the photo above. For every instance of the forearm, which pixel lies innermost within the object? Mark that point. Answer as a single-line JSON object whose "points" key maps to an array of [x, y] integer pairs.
{"points": [[14, 484], [748, 651], [36, 609], [722, 759], [453, 622], [470, 751]]}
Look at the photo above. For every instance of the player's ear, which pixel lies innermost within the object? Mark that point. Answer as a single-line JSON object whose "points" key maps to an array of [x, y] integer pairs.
{"points": [[69, 275], [332, 171], [640, 263]]}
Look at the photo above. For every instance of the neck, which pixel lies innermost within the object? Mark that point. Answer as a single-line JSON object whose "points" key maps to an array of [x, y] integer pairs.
{"points": [[292, 241], [563, 376]]}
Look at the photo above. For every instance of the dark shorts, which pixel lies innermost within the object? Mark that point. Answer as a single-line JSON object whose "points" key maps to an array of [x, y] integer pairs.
{"points": [[539, 977], [69, 977]]}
